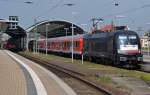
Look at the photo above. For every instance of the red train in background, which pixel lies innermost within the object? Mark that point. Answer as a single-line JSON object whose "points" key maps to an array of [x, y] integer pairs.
{"points": [[15, 45], [63, 44]]}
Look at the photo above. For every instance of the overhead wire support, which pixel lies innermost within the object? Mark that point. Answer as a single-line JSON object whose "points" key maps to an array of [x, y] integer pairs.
{"points": [[95, 21]]}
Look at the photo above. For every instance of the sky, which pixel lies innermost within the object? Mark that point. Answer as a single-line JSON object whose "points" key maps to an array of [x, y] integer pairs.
{"points": [[133, 13]]}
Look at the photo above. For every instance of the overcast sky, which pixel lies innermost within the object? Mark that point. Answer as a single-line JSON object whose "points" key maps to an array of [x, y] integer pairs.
{"points": [[134, 13]]}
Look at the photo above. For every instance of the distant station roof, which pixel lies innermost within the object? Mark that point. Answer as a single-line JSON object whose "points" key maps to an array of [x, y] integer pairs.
{"points": [[16, 33], [55, 28]]}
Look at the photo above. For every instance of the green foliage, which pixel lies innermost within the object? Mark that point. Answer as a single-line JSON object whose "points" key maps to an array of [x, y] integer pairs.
{"points": [[145, 77], [105, 79]]}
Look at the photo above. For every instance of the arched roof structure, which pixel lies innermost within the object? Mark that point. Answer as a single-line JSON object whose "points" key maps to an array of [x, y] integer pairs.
{"points": [[54, 28], [19, 32]]}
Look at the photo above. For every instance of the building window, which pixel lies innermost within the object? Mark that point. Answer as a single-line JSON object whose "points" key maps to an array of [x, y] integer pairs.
{"points": [[13, 18], [13, 25]]}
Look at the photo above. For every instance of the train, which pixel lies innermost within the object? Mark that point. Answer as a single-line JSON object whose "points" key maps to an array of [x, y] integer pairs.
{"points": [[63, 44], [15, 44], [119, 48]]}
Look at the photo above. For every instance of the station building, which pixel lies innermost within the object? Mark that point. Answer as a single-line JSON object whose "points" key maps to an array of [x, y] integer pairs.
{"points": [[144, 42], [12, 36]]}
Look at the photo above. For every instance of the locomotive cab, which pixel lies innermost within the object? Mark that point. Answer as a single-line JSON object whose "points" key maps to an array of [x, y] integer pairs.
{"points": [[128, 48]]}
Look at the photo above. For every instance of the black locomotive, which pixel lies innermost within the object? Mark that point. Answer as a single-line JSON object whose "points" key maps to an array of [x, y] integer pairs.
{"points": [[118, 47]]}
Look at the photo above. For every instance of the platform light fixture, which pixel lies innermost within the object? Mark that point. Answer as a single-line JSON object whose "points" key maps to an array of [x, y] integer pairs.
{"points": [[72, 29], [72, 32], [35, 36]]}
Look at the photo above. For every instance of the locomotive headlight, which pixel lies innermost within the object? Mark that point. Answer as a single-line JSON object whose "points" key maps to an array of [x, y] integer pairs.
{"points": [[123, 59], [119, 51]]}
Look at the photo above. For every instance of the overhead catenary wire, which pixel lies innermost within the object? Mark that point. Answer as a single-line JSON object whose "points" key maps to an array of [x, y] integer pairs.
{"points": [[52, 8], [128, 11]]}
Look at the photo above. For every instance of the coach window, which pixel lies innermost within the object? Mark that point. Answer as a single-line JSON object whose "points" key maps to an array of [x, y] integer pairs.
{"points": [[62, 44], [48, 45], [65, 45], [78, 44], [133, 40], [70, 44]]}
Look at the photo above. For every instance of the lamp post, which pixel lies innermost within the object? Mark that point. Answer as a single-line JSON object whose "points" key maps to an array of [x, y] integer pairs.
{"points": [[35, 37], [47, 25], [72, 29], [66, 29], [28, 33], [27, 41], [72, 32]]}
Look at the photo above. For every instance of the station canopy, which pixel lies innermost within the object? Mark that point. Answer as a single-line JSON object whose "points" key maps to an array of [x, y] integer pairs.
{"points": [[54, 29], [19, 32]]}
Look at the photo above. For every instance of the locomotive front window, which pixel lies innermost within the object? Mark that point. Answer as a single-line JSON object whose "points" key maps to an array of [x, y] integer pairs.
{"points": [[127, 40], [127, 43], [123, 40], [133, 40]]}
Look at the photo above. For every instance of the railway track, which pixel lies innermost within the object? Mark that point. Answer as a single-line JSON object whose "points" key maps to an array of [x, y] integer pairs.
{"points": [[77, 81]]}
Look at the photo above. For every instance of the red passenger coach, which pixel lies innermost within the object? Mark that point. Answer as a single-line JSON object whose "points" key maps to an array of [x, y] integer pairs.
{"points": [[63, 44], [41, 44]]}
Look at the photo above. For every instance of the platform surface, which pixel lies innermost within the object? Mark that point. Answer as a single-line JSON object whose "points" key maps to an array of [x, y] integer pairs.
{"points": [[20, 76], [12, 79]]}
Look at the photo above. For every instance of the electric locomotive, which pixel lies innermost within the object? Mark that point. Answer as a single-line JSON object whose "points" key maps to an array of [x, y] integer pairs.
{"points": [[118, 47]]}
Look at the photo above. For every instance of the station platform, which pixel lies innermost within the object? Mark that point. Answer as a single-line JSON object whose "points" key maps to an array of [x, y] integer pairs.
{"points": [[146, 66], [20, 76]]}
